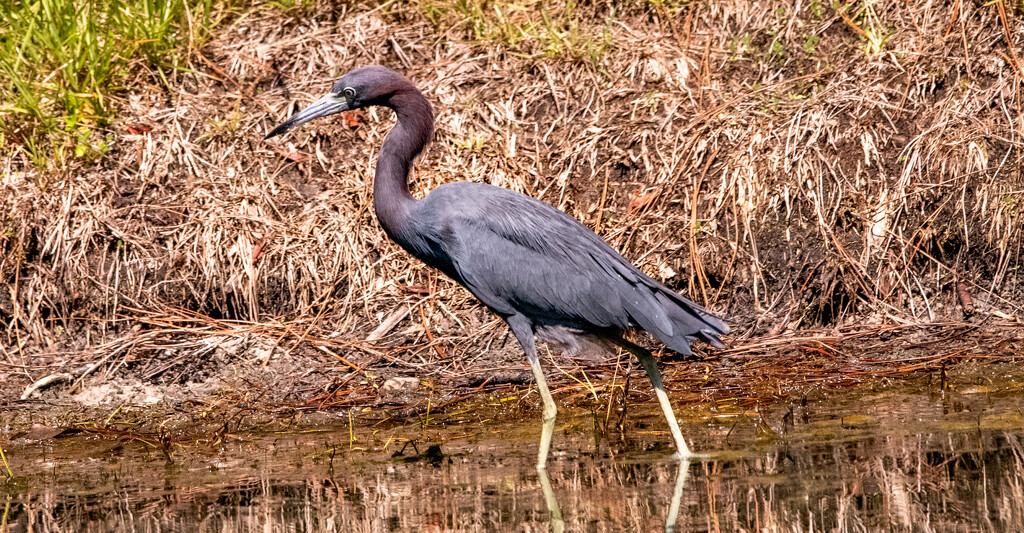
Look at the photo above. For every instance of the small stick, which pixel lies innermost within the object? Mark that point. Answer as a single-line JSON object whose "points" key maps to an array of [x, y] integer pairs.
{"points": [[47, 381]]}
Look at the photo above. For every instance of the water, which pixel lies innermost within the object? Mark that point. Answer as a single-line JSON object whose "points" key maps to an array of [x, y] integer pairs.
{"points": [[866, 459]]}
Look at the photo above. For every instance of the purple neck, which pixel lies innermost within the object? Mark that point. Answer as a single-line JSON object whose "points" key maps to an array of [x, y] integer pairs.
{"points": [[392, 200]]}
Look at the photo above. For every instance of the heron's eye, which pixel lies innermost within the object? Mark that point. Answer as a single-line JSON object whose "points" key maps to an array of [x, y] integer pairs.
{"points": [[348, 92]]}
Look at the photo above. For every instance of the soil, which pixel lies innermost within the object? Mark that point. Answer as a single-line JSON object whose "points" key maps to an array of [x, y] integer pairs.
{"points": [[207, 382]]}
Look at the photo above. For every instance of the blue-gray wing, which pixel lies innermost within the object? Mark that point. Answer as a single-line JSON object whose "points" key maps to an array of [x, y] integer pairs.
{"points": [[521, 256]]}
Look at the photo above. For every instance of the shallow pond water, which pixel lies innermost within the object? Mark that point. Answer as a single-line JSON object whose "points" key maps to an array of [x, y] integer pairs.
{"points": [[861, 459]]}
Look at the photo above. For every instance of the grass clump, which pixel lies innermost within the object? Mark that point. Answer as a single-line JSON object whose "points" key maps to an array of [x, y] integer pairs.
{"points": [[531, 28], [864, 20], [61, 62]]}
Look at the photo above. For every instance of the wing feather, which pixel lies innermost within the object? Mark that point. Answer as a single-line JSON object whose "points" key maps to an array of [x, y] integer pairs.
{"points": [[520, 255]]}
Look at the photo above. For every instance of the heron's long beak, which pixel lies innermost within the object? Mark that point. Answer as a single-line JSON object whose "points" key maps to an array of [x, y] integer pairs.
{"points": [[328, 105]]}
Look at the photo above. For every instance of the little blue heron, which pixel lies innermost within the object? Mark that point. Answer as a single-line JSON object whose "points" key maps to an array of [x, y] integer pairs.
{"points": [[540, 270]]}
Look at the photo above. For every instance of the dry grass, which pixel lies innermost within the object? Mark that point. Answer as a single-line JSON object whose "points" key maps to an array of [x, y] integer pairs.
{"points": [[790, 165]]}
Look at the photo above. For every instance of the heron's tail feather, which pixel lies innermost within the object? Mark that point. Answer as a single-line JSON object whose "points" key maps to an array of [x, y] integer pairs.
{"points": [[677, 321]]}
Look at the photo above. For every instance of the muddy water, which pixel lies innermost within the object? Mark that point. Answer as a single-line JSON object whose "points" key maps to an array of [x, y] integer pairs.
{"points": [[880, 458]]}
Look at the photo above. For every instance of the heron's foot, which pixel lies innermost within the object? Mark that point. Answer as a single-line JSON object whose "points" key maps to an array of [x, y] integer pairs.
{"points": [[691, 456]]}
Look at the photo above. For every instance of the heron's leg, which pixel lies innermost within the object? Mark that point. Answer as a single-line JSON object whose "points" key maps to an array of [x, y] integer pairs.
{"points": [[550, 411], [523, 331], [651, 366]]}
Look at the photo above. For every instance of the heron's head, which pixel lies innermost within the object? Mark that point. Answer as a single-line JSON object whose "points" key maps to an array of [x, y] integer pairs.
{"points": [[362, 87]]}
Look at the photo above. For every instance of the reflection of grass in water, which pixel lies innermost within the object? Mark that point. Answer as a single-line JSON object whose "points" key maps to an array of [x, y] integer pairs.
{"points": [[881, 482], [877, 458]]}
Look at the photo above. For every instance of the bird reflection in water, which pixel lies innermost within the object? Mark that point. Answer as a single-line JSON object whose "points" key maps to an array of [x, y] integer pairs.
{"points": [[558, 522]]}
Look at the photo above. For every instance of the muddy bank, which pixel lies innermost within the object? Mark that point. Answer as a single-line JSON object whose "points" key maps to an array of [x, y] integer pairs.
{"points": [[192, 386]]}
